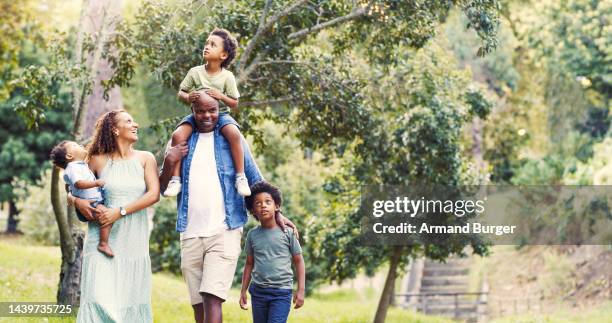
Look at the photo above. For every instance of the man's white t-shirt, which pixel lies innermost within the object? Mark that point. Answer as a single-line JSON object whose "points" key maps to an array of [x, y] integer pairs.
{"points": [[206, 213]]}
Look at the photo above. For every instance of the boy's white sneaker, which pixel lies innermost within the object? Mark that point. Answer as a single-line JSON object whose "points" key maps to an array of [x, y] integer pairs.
{"points": [[242, 185], [174, 187]]}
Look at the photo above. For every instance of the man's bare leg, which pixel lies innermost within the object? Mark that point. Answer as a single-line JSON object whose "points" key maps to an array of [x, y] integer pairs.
{"points": [[198, 312], [212, 308]]}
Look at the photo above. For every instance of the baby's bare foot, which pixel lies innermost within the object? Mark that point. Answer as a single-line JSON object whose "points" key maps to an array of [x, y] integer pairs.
{"points": [[105, 249]]}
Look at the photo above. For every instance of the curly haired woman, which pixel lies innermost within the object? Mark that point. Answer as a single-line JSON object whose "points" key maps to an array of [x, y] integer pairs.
{"points": [[118, 289]]}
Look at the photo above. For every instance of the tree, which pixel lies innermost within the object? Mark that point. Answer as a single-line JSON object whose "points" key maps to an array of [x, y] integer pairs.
{"points": [[581, 47], [560, 50], [18, 28], [23, 151], [416, 137], [274, 69]]}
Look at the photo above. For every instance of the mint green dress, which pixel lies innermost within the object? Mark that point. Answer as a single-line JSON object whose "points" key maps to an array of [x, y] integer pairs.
{"points": [[118, 289]]}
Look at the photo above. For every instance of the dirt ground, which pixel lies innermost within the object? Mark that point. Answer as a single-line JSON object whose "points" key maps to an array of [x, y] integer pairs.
{"points": [[546, 278]]}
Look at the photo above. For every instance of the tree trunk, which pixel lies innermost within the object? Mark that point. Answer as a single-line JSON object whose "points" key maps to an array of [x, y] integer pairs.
{"points": [[68, 291], [387, 293], [100, 17], [392, 293], [97, 18], [11, 224]]}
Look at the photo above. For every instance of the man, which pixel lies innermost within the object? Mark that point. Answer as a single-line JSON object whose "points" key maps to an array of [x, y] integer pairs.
{"points": [[211, 213]]}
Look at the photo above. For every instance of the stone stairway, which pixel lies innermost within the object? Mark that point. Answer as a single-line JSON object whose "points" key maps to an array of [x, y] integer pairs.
{"points": [[442, 290]]}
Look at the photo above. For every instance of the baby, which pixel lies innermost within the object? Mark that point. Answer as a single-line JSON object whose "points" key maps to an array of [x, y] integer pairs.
{"points": [[71, 157]]}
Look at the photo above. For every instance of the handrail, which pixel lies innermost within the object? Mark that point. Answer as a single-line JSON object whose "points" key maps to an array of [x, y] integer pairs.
{"points": [[442, 294]]}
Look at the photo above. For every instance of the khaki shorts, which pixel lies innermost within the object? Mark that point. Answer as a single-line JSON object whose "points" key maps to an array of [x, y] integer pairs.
{"points": [[209, 263]]}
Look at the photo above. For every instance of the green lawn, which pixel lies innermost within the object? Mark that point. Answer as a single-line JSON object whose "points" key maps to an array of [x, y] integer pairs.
{"points": [[30, 273]]}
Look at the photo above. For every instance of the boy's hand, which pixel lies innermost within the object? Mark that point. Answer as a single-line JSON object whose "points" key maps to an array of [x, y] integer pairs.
{"points": [[243, 300], [193, 95], [298, 299], [214, 93], [100, 182]]}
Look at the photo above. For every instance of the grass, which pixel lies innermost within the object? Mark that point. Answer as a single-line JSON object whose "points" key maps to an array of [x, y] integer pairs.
{"points": [[30, 273]]}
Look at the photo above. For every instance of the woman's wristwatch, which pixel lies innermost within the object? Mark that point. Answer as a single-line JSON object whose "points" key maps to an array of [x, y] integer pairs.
{"points": [[122, 211]]}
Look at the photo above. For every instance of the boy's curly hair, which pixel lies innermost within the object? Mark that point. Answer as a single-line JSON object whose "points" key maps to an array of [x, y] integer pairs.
{"points": [[58, 155], [263, 187], [104, 142], [230, 45]]}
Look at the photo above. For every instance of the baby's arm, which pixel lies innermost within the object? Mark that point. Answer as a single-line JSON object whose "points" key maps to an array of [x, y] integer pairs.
{"points": [[246, 280], [298, 262], [89, 184]]}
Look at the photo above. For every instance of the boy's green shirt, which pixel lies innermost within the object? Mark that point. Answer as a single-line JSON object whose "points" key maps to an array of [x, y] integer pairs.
{"points": [[272, 251], [197, 79]]}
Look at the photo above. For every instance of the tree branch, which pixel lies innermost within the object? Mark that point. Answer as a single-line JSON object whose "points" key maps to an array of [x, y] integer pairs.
{"points": [[266, 102], [356, 13], [282, 61], [260, 31], [262, 19], [244, 74]]}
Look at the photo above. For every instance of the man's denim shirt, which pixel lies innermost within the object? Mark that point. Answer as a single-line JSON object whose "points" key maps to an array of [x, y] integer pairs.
{"points": [[235, 210]]}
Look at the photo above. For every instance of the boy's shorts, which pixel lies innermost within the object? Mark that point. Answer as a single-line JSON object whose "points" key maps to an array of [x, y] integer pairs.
{"points": [[223, 120], [93, 204]]}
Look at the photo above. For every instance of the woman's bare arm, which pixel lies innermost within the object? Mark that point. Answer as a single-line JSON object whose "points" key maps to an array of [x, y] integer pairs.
{"points": [[151, 196]]}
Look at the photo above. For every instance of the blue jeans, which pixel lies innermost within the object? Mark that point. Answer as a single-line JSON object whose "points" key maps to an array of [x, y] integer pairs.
{"points": [[270, 305]]}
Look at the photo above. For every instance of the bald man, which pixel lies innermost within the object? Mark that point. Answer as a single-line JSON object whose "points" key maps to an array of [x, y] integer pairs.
{"points": [[211, 213]]}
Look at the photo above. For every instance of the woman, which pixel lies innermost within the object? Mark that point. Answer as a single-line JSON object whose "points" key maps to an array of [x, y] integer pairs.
{"points": [[118, 289]]}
